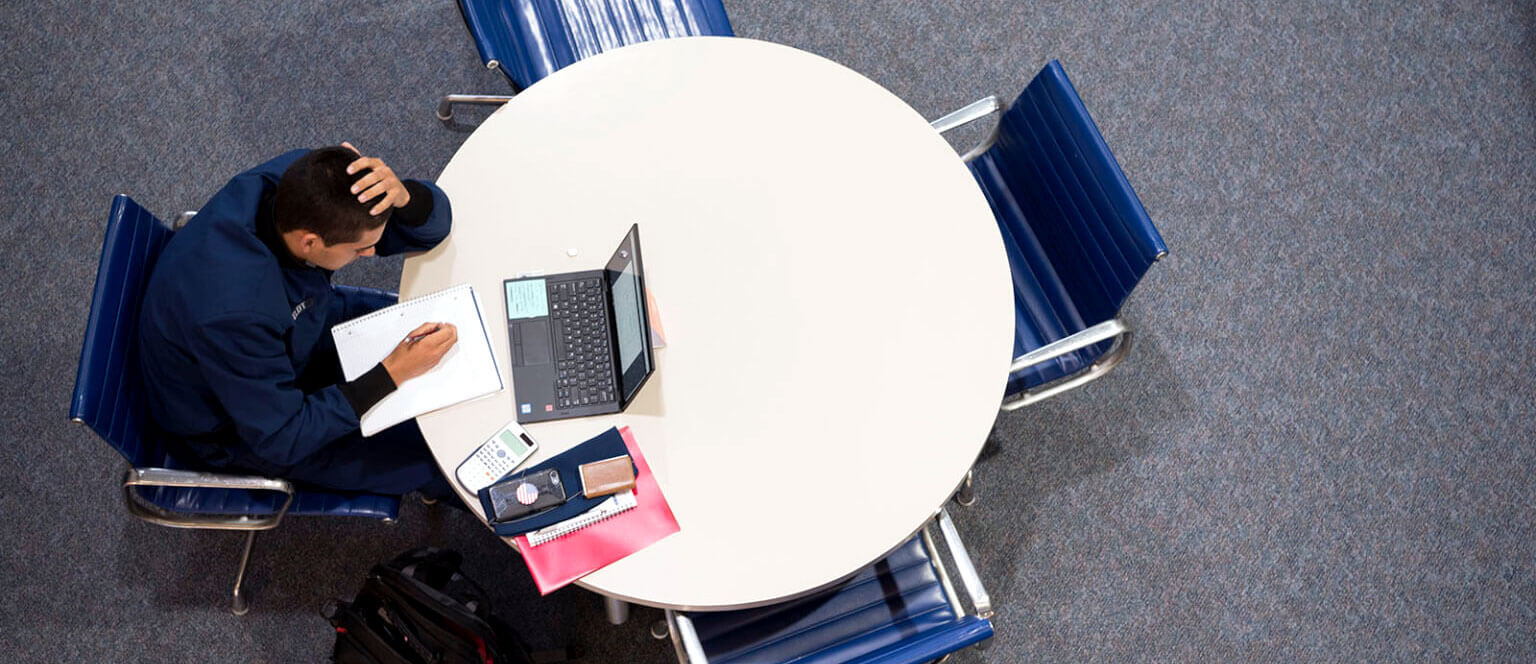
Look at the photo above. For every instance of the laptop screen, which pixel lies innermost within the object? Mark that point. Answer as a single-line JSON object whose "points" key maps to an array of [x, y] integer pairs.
{"points": [[629, 316]]}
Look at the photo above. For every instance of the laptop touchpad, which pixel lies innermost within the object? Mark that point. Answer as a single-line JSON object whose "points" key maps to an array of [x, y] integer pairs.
{"points": [[535, 342]]}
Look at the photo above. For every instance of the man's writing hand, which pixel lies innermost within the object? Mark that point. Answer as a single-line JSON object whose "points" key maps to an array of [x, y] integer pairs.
{"points": [[420, 351], [380, 180]]}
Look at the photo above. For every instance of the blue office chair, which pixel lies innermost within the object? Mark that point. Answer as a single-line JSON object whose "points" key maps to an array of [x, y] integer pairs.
{"points": [[109, 399], [1078, 239], [529, 39], [900, 610]]}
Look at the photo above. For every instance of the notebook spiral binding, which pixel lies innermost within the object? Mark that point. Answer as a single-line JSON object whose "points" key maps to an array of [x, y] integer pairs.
{"points": [[399, 310], [614, 506]]}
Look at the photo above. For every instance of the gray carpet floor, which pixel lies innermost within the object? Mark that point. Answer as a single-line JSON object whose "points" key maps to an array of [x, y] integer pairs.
{"points": [[1320, 447]]}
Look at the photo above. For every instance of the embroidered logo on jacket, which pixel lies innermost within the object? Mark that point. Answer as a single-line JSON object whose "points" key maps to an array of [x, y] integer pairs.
{"points": [[302, 306]]}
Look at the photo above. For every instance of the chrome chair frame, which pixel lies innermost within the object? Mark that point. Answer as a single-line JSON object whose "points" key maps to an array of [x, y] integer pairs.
{"points": [[445, 105], [685, 639], [1115, 328], [164, 477]]}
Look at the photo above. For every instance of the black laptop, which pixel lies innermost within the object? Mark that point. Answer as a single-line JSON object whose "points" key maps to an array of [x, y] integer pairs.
{"points": [[581, 342]]}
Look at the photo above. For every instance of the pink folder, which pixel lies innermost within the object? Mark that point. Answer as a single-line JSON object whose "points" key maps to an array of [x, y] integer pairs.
{"points": [[556, 563]]}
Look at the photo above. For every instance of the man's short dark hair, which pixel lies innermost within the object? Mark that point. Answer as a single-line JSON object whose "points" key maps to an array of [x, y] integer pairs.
{"points": [[315, 194]]}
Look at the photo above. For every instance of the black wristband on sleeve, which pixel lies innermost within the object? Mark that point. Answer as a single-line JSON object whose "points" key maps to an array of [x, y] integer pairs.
{"points": [[368, 389], [414, 213]]}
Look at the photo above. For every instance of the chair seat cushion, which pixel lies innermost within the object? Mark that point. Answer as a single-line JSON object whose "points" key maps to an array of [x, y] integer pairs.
{"points": [[893, 611], [1043, 311]]}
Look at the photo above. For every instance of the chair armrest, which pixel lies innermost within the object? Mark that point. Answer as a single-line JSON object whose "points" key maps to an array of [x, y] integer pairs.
{"points": [[165, 477], [685, 639], [967, 569], [1110, 329], [967, 114]]}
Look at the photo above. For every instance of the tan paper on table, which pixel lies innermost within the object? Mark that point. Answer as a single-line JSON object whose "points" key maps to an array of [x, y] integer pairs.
{"points": [[467, 371], [658, 335]]}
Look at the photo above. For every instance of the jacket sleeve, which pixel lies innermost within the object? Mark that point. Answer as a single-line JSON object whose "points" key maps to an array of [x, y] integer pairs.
{"points": [[420, 225], [245, 363], [353, 301]]}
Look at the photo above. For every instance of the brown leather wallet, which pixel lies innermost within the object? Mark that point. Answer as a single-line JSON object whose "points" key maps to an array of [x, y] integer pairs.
{"points": [[601, 478]]}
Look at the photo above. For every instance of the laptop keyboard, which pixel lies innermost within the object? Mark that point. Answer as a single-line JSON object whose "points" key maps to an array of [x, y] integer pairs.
{"points": [[583, 363]]}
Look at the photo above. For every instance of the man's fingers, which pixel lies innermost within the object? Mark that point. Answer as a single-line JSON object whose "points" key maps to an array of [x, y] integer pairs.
{"points": [[367, 180], [437, 350], [432, 332], [378, 181], [420, 334], [444, 337], [390, 195], [363, 163], [387, 199], [425, 328], [378, 189]]}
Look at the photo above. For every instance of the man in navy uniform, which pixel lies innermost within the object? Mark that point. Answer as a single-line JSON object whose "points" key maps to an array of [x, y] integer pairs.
{"points": [[234, 332]]}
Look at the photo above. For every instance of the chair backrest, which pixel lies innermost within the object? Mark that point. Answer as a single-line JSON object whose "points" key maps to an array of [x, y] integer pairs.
{"points": [[898, 610], [530, 39], [108, 395], [1069, 194]]}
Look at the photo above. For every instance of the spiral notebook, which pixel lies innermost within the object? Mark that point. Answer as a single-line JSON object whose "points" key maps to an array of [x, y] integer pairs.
{"points": [[615, 504], [467, 371]]}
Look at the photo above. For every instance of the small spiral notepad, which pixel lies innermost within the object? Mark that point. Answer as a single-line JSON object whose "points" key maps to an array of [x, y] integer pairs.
{"points": [[615, 504], [468, 370]]}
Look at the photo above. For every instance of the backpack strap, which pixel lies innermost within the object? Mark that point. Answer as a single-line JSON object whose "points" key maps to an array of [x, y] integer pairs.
{"points": [[429, 564]]}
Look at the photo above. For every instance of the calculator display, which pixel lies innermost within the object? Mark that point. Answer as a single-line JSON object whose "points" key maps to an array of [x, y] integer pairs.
{"points": [[514, 444]]}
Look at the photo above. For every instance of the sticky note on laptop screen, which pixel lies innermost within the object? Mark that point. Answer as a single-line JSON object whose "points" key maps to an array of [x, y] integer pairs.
{"points": [[526, 299]]}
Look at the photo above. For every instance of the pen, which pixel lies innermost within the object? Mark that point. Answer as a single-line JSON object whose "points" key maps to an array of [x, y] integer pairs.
{"points": [[419, 337]]}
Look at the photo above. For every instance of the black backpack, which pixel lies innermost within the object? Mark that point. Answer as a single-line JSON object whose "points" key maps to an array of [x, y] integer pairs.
{"points": [[418, 609]]}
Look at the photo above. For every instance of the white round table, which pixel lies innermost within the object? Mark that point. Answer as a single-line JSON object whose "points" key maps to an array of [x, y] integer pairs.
{"points": [[833, 288]]}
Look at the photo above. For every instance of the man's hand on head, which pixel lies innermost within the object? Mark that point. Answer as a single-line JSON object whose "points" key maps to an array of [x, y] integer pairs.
{"points": [[379, 180]]}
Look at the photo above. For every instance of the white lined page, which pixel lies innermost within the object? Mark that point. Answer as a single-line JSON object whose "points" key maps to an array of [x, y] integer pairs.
{"points": [[467, 370]]}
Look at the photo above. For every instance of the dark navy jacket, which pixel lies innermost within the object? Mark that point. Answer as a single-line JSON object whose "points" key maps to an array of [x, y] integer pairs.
{"points": [[230, 323]]}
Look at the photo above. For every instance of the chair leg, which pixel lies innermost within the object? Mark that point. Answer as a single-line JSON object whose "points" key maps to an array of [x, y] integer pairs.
{"points": [[617, 610], [241, 604], [660, 631], [967, 494]]}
